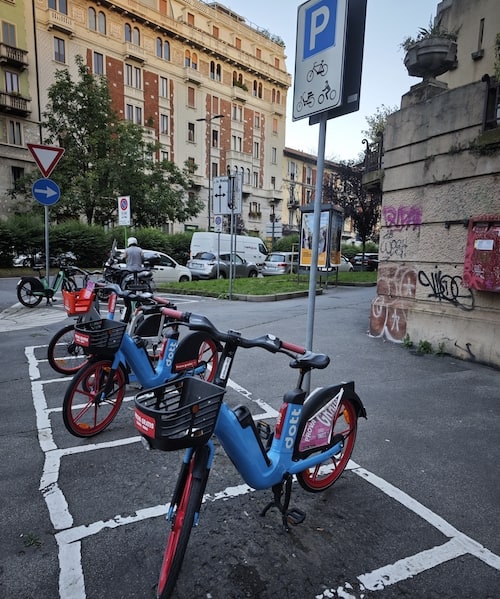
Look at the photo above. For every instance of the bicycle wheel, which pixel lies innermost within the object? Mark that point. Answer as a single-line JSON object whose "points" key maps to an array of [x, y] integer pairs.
{"points": [[85, 414], [323, 475], [63, 354], [183, 521], [208, 353], [25, 294]]}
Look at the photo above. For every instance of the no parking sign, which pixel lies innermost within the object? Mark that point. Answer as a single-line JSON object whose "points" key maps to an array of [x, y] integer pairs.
{"points": [[124, 210]]}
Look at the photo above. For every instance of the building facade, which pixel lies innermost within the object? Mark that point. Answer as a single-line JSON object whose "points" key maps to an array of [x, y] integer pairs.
{"points": [[201, 80], [439, 272]]}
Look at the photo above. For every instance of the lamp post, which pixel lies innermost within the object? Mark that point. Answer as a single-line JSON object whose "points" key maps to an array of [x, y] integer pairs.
{"points": [[208, 121]]}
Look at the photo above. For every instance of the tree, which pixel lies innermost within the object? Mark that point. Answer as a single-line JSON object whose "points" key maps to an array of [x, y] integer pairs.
{"points": [[106, 157], [346, 189], [376, 122]]}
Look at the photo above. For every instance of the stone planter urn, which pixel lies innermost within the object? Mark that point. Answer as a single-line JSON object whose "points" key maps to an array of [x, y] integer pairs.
{"points": [[431, 57]]}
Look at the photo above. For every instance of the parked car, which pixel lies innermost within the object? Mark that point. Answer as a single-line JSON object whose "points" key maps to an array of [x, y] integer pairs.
{"points": [[344, 266], [205, 265], [370, 261], [165, 269], [280, 263], [23, 260]]}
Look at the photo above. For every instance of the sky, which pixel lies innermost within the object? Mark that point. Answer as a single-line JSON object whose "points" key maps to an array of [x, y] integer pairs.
{"points": [[384, 77]]}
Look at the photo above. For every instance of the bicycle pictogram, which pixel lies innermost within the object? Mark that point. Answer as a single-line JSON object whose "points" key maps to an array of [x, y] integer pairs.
{"points": [[318, 68]]}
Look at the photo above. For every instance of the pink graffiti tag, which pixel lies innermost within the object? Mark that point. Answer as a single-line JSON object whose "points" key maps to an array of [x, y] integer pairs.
{"points": [[402, 217]]}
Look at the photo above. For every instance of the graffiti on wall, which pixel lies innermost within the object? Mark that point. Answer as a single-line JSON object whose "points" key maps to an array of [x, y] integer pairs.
{"points": [[396, 285], [447, 288], [402, 217], [390, 247]]}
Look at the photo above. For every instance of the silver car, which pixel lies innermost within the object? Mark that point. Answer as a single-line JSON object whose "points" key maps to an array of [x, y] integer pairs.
{"points": [[280, 263], [205, 265]]}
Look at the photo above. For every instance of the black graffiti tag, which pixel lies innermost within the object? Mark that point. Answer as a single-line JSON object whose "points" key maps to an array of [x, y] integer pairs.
{"points": [[447, 288]]}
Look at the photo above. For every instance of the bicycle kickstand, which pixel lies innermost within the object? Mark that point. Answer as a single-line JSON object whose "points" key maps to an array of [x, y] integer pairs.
{"points": [[289, 516]]}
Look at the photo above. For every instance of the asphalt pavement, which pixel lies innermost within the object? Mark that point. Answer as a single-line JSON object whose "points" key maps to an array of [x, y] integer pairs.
{"points": [[416, 515]]}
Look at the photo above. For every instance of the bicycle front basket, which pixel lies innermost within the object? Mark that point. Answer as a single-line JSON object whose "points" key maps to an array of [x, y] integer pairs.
{"points": [[178, 415], [77, 302], [100, 336]]}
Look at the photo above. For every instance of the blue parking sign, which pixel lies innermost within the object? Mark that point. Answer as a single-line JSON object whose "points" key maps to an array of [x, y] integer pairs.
{"points": [[319, 31]]}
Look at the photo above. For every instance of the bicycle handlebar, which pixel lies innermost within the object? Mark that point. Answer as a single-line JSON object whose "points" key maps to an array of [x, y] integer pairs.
{"points": [[198, 322]]}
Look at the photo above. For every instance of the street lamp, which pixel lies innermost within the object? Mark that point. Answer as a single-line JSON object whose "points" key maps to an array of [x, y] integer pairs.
{"points": [[208, 121]]}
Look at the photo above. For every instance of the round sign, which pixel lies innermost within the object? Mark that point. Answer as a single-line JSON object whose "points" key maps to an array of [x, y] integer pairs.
{"points": [[46, 191], [123, 203]]}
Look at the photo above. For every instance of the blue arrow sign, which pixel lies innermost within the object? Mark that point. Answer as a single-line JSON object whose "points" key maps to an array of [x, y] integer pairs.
{"points": [[46, 191]]}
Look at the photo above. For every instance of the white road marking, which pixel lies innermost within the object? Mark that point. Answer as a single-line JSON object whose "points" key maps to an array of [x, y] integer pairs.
{"points": [[69, 537]]}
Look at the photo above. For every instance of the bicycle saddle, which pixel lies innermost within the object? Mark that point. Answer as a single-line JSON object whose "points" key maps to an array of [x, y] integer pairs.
{"points": [[310, 360]]}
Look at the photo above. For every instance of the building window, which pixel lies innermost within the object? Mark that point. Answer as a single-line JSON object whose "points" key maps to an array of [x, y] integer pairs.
{"points": [[191, 97], [237, 113], [247, 176], [309, 175], [258, 53], [256, 149], [162, 48], [138, 115], [92, 19], [133, 76], [59, 50], [187, 58], [215, 138], [164, 155], [236, 143], [164, 124], [277, 63], [129, 113], [15, 133], [273, 182], [190, 19], [215, 31], [132, 35], [163, 87], [98, 64], [194, 61], [191, 132], [191, 164], [59, 5], [256, 121], [275, 126], [237, 43], [255, 179], [215, 71], [274, 155], [9, 34], [11, 82], [101, 22], [17, 174]]}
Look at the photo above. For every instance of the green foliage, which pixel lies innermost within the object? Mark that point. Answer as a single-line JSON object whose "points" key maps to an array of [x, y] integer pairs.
{"points": [[432, 30], [288, 243], [407, 342], [424, 347], [6, 246], [376, 122]]}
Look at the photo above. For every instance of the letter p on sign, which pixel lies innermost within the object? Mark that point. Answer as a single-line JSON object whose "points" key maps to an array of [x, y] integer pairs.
{"points": [[319, 31]]}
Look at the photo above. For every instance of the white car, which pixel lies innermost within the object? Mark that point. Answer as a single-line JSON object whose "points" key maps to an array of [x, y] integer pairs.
{"points": [[165, 269]]}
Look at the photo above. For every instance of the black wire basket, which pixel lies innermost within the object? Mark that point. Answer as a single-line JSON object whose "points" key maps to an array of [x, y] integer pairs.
{"points": [[178, 415], [100, 336]]}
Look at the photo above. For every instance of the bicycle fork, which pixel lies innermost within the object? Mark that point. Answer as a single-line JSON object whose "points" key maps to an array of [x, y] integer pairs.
{"points": [[196, 463]]}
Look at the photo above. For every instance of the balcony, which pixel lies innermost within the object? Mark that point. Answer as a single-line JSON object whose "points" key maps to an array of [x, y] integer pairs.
{"points": [[192, 76], [13, 57], [134, 52], [13, 103], [373, 167], [59, 21]]}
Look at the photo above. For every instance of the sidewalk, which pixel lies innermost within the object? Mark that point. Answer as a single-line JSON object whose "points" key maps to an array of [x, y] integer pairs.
{"points": [[18, 317]]}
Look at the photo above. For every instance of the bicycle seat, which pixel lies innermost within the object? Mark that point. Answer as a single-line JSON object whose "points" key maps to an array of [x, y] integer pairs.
{"points": [[310, 360]]}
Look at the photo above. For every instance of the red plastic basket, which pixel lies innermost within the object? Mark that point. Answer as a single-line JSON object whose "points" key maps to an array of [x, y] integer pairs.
{"points": [[77, 302]]}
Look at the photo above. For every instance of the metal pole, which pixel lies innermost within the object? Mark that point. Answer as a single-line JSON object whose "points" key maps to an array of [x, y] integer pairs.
{"points": [[209, 170], [316, 226]]}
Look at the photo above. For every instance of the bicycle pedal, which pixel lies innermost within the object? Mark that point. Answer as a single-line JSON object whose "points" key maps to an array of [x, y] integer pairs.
{"points": [[295, 516]]}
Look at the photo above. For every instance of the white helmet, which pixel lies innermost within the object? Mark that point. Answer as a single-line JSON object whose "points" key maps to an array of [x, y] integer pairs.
{"points": [[131, 241]]}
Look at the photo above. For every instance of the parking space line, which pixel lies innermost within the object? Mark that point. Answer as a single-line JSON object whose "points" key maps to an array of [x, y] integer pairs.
{"points": [[69, 537]]}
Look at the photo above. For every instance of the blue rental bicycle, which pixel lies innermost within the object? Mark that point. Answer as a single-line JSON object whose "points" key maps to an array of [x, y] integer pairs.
{"points": [[312, 440], [119, 355]]}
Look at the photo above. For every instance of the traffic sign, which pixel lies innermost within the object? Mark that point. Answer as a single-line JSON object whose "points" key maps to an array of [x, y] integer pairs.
{"points": [[124, 210], [46, 191], [46, 157], [319, 58]]}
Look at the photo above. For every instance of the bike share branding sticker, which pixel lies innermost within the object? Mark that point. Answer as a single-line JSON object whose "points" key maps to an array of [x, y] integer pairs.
{"points": [[145, 424], [318, 430], [81, 339]]}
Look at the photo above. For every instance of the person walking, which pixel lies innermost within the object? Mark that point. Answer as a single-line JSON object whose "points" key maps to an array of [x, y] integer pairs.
{"points": [[134, 255]]}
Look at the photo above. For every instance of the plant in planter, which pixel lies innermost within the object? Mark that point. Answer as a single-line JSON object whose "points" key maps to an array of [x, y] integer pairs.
{"points": [[431, 53]]}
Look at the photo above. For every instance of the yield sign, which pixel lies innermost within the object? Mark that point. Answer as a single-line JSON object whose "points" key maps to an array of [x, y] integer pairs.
{"points": [[46, 157]]}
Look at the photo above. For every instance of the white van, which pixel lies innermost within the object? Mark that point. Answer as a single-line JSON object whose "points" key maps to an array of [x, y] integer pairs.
{"points": [[252, 249]]}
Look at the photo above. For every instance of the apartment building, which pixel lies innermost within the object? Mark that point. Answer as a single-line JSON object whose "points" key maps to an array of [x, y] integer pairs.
{"points": [[19, 107], [201, 80], [299, 188]]}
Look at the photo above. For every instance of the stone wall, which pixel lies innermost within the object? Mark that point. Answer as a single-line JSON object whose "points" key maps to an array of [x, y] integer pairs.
{"points": [[434, 182]]}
